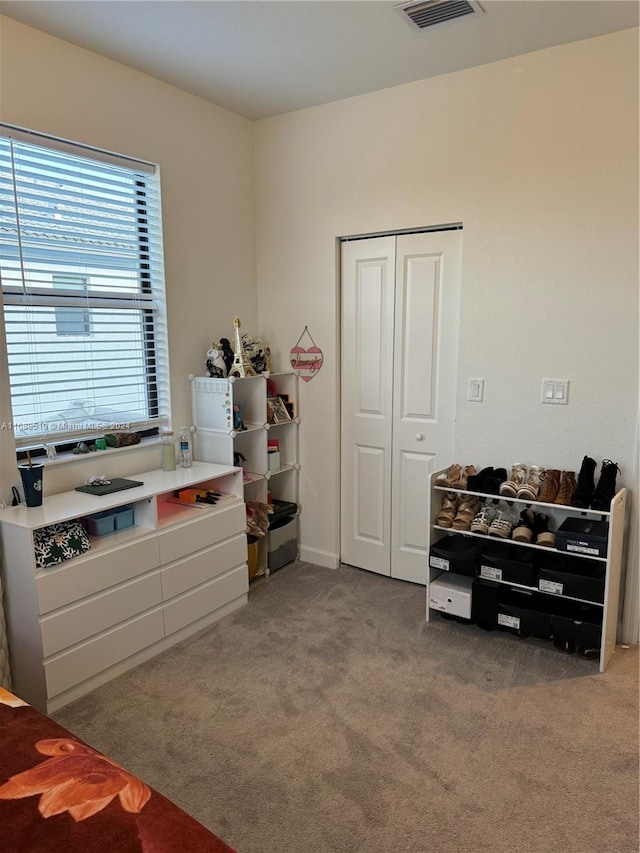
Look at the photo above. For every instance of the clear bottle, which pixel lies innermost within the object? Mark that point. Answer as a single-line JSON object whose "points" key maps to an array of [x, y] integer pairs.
{"points": [[185, 458], [168, 451]]}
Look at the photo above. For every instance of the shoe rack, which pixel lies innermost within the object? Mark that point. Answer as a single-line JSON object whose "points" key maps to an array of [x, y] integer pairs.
{"points": [[549, 596]]}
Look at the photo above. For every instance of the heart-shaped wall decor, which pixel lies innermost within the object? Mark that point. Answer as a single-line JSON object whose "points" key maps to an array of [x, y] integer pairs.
{"points": [[307, 361]]}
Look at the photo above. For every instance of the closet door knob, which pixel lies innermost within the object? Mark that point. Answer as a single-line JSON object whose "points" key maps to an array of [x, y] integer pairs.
{"points": [[419, 436]]}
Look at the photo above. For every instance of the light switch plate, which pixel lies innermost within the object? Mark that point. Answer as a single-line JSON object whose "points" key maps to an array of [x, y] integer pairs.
{"points": [[476, 390], [555, 392]]}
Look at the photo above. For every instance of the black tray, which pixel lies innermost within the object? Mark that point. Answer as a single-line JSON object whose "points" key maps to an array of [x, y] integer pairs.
{"points": [[116, 485]]}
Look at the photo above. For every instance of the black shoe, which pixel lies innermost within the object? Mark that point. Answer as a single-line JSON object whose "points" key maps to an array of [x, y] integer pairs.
{"points": [[494, 482], [586, 484], [487, 481], [606, 488], [476, 482]]}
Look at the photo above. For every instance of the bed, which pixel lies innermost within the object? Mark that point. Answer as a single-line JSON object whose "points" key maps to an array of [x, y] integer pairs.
{"points": [[59, 794]]}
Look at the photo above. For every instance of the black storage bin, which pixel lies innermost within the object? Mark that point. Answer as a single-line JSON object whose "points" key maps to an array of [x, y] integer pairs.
{"points": [[580, 625], [484, 603], [525, 613], [282, 509], [282, 536], [506, 562], [456, 554], [583, 536], [562, 574]]}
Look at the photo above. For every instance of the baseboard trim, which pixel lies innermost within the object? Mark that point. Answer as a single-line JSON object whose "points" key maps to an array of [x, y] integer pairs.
{"points": [[318, 557]]}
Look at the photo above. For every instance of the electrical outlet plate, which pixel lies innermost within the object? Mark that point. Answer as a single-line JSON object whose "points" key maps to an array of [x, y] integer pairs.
{"points": [[555, 392]]}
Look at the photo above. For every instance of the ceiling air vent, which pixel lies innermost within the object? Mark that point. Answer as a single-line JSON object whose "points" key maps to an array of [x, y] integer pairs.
{"points": [[426, 14]]}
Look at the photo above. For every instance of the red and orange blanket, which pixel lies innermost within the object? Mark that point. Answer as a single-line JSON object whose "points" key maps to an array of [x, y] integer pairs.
{"points": [[59, 794]]}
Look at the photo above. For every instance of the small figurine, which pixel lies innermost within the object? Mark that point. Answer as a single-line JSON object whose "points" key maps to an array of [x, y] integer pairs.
{"points": [[258, 361], [215, 364], [227, 354], [238, 418]]}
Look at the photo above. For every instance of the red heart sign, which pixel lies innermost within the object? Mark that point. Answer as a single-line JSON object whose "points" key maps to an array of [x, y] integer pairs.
{"points": [[306, 361]]}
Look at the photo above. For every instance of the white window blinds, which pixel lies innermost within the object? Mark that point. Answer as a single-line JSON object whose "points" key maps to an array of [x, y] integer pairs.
{"points": [[82, 279]]}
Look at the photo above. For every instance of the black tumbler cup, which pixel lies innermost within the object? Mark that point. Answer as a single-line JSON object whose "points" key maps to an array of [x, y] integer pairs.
{"points": [[32, 483]]}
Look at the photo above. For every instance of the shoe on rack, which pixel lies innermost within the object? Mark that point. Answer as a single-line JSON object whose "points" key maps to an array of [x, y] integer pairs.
{"points": [[523, 532], [516, 480], [466, 472], [483, 519], [530, 489], [549, 487], [476, 482], [450, 476], [501, 525], [567, 488], [586, 483], [467, 510], [499, 477], [448, 509], [487, 481], [588, 653], [606, 488], [542, 534]]}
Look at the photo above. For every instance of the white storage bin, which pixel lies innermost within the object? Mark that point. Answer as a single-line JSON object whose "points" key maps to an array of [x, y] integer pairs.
{"points": [[451, 594]]}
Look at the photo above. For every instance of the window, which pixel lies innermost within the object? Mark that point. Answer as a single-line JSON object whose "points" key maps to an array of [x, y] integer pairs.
{"points": [[82, 280], [72, 321]]}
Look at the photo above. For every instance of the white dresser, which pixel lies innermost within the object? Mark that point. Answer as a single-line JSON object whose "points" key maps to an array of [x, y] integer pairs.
{"points": [[138, 591]]}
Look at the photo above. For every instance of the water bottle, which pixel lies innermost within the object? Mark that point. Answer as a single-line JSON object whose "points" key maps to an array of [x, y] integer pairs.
{"points": [[185, 458]]}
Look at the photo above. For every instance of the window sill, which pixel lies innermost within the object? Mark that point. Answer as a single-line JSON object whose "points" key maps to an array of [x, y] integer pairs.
{"points": [[69, 457]]}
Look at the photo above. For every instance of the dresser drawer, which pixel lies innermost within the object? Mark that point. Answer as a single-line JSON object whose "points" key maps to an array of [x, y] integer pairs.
{"points": [[198, 533], [87, 618], [94, 572], [75, 666], [203, 566], [205, 600]]}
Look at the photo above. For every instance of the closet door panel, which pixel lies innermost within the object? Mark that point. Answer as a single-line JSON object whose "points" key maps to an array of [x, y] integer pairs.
{"points": [[424, 382], [367, 374]]}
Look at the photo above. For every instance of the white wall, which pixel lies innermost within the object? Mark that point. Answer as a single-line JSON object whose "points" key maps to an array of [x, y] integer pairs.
{"points": [[206, 161], [538, 157]]}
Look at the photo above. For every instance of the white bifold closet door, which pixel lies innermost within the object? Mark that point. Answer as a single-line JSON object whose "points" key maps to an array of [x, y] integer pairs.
{"points": [[400, 315]]}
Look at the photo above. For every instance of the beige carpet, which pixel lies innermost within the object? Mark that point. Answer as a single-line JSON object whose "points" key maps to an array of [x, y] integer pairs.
{"points": [[328, 716]]}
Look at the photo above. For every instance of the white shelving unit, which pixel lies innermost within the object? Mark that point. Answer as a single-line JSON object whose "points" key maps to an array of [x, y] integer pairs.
{"points": [[136, 592], [612, 562], [217, 438]]}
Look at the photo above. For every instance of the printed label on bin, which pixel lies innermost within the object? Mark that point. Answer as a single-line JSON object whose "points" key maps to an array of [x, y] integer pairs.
{"points": [[582, 549], [439, 563], [491, 573], [551, 586], [508, 621]]}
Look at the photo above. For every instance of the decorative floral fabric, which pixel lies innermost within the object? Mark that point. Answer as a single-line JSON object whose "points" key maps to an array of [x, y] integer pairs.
{"points": [[59, 794], [59, 542]]}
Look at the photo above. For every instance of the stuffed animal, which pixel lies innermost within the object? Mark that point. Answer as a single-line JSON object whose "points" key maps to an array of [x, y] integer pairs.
{"points": [[257, 518], [215, 364]]}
